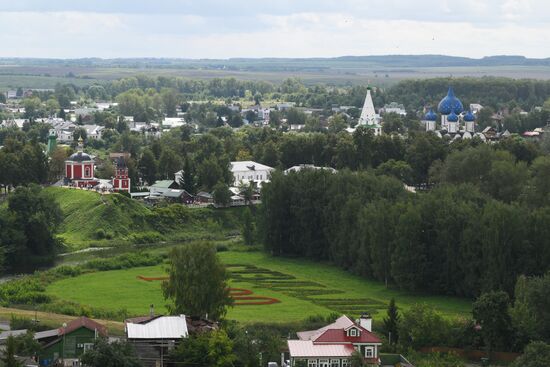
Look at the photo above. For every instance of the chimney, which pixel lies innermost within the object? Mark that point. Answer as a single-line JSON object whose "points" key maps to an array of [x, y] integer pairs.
{"points": [[152, 310], [365, 321]]}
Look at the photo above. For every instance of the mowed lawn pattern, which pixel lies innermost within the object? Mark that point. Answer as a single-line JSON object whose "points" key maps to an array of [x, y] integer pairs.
{"points": [[304, 288]]}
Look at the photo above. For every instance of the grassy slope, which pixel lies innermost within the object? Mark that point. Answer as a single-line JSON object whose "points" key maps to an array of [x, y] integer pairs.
{"points": [[125, 219], [85, 212], [121, 289]]}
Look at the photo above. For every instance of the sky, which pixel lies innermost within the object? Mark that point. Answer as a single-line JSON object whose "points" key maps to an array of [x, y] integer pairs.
{"points": [[272, 28]]}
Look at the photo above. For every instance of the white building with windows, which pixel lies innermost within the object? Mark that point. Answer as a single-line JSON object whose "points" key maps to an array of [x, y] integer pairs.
{"points": [[250, 172]]}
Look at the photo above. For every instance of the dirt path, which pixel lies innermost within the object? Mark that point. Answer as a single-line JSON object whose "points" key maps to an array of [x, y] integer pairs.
{"points": [[56, 320]]}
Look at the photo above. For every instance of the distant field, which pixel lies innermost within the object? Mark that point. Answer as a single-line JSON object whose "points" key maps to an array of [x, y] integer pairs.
{"points": [[337, 73], [304, 289]]}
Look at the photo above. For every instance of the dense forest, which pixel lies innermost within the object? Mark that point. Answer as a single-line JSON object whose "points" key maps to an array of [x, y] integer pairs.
{"points": [[482, 225]]}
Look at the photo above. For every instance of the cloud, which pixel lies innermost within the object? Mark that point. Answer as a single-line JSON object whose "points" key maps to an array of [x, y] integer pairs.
{"points": [[284, 28]]}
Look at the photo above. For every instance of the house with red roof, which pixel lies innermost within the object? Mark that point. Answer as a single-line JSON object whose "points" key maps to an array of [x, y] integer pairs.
{"points": [[334, 344]]}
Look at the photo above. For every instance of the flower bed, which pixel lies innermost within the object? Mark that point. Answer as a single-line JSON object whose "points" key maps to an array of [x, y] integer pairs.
{"points": [[241, 296]]}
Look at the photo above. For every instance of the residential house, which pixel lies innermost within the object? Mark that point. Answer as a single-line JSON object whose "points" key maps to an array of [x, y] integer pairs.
{"points": [[153, 337], [204, 198], [94, 132], [395, 107], [250, 172], [333, 345], [172, 122], [69, 342], [162, 186]]}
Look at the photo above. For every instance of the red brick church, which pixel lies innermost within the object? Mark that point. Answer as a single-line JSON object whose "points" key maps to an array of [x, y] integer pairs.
{"points": [[80, 166]]}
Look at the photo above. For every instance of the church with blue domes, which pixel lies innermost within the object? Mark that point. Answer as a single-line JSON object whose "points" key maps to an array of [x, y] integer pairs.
{"points": [[455, 122]]}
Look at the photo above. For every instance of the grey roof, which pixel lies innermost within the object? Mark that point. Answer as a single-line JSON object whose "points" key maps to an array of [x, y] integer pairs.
{"points": [[174, 193], [6, 334], [163, 184], [80, 157], [46, 334]]}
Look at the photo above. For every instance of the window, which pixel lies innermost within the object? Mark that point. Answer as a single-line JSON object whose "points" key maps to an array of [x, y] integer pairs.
{"points": [[311, 363], [345, 362], [87, 172], [353, 332], [369, 352], [323, 363], [334, 363]]}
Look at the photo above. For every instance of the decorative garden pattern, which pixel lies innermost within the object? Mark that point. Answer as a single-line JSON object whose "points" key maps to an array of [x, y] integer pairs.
{"points": [[241, 296]]}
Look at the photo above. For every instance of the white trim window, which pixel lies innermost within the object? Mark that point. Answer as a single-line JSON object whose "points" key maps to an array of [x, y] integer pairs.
{"points": [[324, 363], [311, 363], [353, 332], [345, 362], [334, 363], [369, 352]]}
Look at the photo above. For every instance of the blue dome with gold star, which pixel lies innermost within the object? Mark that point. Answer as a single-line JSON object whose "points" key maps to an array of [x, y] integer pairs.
{"points": [[450, 104]]}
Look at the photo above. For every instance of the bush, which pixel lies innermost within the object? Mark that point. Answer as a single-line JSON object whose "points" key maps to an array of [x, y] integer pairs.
{"points": [[126, 261]]}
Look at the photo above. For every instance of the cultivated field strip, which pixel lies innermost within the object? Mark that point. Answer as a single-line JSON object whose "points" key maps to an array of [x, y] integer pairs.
{"points": [[307, 290]]}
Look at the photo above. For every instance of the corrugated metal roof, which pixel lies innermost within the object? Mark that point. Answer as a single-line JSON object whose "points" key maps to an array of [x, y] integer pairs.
{"points": [[306, 348], [46, 334], [165, 327]]}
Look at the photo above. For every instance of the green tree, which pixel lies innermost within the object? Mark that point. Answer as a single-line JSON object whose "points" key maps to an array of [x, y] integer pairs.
{"points": [[148, 166], [169, 163], [422, 326], [221, 194], [214, 349], [391, 322], [198, 282], [106, 354], [35, 216], [536, 354], [490, 310], [9, 359], [248, 228]]}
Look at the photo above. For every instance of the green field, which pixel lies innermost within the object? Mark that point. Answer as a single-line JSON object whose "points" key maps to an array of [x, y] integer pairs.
{"points": [[304, 289]]}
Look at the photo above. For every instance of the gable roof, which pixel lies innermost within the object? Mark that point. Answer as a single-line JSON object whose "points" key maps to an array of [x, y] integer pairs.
{"points": [[163, 327], [306, 348], [341, 323], [83, 322], [340, 336], [164, 184]]}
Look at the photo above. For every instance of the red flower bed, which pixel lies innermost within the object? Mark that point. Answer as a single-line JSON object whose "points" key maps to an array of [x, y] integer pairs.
{"points": [[150, 279], [238, 292], [241, 296], [257, 301]]}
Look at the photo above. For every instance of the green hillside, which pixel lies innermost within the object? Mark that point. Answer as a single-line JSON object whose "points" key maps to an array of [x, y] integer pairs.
{"points": [[91, 220]]}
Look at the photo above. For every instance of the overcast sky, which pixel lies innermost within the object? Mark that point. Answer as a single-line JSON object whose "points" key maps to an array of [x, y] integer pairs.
{"points": [[272, 28]]}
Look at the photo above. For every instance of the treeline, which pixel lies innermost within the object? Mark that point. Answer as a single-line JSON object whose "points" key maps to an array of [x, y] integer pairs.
{"points": [[476, 231], [493, 92]]}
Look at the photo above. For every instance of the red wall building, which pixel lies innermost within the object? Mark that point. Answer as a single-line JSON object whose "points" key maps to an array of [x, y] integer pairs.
{"points": [[79, 170], [121, 181]]}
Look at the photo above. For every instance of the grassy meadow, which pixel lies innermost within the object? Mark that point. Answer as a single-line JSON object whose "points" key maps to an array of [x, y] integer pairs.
{"points": [[303, 288]]}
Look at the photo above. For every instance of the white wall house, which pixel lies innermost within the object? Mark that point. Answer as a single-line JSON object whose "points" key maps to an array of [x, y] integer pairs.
{"points": [[249, 171]]}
